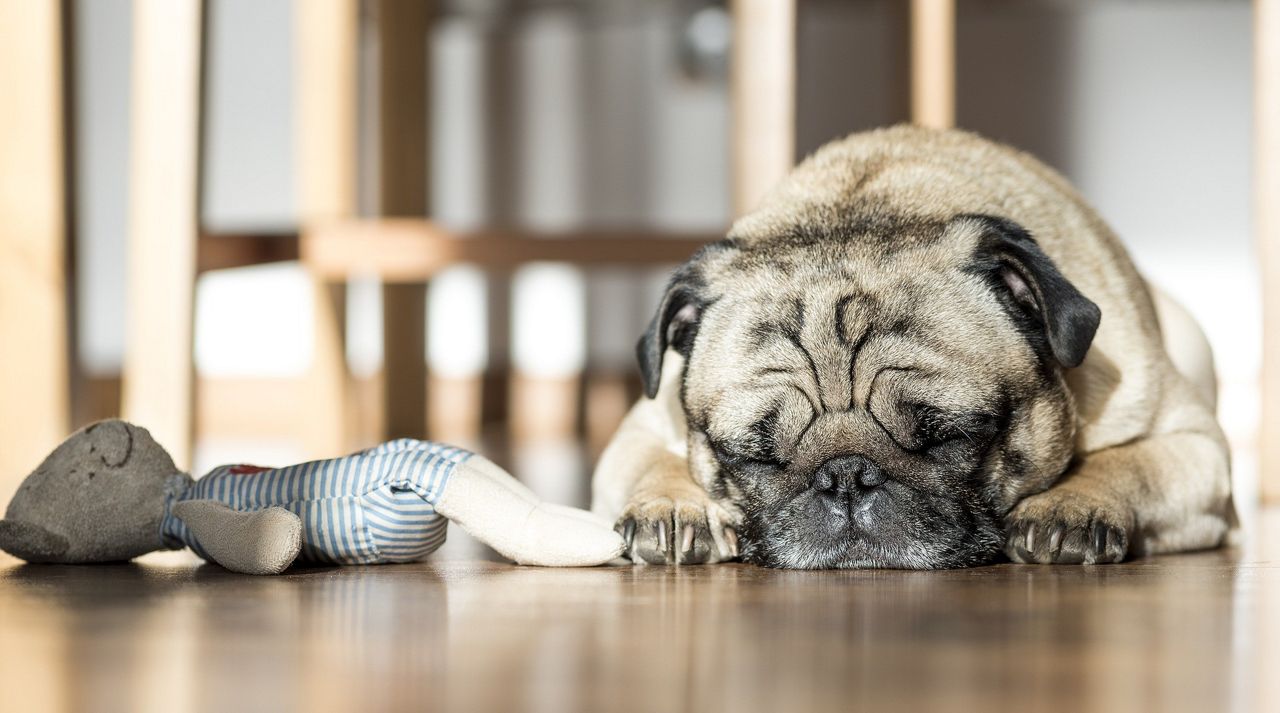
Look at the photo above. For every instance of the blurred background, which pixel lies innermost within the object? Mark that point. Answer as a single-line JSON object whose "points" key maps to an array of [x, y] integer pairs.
{"points": [[532, 133]]}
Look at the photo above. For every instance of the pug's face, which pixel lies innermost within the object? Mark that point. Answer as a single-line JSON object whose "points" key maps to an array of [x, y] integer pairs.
{"points": [[877, 395]]}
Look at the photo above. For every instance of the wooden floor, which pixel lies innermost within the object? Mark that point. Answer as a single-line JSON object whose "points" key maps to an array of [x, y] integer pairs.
{"points": [[1196, 632]]}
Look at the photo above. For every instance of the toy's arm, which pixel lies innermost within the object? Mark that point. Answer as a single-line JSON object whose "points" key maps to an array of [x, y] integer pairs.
{"points": [[260, 542], [502, 513]]}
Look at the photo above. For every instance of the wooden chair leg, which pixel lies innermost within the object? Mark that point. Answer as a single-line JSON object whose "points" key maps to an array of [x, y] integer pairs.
{"points": [[933, 63], [763, 88], [403, 168], [1267, 221], [34, 401], [326, 35], [163, 220], [501, 179]]}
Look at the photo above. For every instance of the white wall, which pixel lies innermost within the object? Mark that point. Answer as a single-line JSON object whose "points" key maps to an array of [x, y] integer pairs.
{"points": [[101, 134]]}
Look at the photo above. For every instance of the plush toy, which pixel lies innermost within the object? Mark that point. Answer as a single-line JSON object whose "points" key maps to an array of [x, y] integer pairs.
{"points": [[110, 493]]}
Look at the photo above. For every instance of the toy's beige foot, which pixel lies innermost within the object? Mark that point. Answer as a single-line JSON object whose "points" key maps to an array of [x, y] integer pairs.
{"points": [[260, 542]]}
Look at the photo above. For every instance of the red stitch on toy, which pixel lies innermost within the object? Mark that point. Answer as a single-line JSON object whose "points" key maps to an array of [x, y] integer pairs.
{"points": [[246, 469]]}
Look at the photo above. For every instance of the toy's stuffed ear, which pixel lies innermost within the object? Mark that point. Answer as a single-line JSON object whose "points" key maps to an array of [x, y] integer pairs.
{"points": [[31, 542]]}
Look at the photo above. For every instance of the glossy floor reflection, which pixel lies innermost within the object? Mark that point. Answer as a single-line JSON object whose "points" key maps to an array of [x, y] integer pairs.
{"points": [[1195, 632]]}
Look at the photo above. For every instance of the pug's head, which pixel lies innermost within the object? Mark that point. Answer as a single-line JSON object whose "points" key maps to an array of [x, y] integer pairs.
{"points": [[877, 392]]}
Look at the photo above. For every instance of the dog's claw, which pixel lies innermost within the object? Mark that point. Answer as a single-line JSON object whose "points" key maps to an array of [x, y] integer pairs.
{"points": [[731, 539], [628, 531], [1055, 541], [1100, 538], [661, 528]]}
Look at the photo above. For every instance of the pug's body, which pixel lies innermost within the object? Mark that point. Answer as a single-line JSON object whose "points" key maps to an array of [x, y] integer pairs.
{"points": [[922, 350]]}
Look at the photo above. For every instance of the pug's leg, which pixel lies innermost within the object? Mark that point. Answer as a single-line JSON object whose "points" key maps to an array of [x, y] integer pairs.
{"points": [[643, 484], [1164, 493]]}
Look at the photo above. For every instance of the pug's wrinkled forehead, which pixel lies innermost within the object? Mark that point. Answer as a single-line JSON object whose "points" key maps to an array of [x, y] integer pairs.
{"points": [[969, 284], [830, 321]]}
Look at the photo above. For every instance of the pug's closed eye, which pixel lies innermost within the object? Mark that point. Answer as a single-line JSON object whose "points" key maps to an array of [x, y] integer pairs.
{"points": [[936, 427], [746, 457]]}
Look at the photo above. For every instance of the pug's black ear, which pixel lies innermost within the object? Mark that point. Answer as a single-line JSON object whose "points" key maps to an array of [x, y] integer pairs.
{"points": [[1069, 319], [675, 324]]}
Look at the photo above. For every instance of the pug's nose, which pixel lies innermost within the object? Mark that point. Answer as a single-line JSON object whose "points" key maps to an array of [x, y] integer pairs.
{"points": [[841, 476]]}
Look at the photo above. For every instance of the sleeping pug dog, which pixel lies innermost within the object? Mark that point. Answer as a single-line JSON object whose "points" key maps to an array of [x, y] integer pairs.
{"points": [[922, 350]]}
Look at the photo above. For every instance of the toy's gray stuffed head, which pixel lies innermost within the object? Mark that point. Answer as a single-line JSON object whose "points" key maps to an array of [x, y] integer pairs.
{"points": [[98, 497]]}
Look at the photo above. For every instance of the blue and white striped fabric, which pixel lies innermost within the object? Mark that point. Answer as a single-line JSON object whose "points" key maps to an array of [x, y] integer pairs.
{"points": [[371, 507]]}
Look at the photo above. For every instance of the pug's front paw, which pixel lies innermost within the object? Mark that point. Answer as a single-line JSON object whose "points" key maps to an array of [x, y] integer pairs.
{"points": [[680, 526], [1065, 527]]}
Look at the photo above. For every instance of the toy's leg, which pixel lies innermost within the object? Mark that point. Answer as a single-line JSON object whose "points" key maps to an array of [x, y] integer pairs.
{"points": [[500, 478], [258, 542], [499, 511], [583, 515]]}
